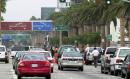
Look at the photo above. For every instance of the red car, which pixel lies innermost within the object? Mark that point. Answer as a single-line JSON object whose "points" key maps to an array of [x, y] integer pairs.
{"points": [[34, 64]]}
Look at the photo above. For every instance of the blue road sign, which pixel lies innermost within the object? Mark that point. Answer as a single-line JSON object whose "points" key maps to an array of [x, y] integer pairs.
{"points": [[6, 37], [42, 26]]}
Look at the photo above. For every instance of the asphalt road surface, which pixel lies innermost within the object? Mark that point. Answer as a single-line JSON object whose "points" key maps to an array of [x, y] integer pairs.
{"points": [[6, 72]]}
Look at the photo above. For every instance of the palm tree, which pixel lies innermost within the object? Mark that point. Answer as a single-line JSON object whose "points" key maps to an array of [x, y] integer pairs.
{"points": [[2, 7]]}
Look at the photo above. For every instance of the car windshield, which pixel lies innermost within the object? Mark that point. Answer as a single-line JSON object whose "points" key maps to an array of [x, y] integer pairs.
{"points": [[111, 50], [2, 49], [124, 52], [34, 57], [72, 54]]}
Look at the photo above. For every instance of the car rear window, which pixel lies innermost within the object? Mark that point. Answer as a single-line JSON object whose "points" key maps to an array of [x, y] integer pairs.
{"points": [[2, 49], [34, 57], [72, 54], [111, 50]]}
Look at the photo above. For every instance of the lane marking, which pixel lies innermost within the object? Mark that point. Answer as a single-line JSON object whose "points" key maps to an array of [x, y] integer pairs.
{"points": [[13, 73]]}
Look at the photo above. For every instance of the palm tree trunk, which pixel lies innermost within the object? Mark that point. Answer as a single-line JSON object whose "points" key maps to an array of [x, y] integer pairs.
{"points": [[103, 40], [81, 30], [107, 33], [122, 31]]}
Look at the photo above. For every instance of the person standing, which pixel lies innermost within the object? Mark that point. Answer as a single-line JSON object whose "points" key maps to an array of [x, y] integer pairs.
{"points": [[95, 54]]}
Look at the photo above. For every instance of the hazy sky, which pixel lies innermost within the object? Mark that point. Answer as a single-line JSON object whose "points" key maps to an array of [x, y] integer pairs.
{"points": [[22, 10]]}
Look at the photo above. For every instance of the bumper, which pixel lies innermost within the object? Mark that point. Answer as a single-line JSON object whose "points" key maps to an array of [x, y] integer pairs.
{"points": [[34, 72], [72, 65], [118, 67]]}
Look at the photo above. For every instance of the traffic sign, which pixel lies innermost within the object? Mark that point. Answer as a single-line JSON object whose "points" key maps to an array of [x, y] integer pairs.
{"points": [[16, 26], [109, 37], [42, 26], [61, 28]]}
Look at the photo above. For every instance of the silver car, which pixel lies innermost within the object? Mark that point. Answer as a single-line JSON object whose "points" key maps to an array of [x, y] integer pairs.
{"points": [[71, 60]]}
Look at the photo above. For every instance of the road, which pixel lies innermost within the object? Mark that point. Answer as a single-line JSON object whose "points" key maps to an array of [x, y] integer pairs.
{"points": [[6, 72]]}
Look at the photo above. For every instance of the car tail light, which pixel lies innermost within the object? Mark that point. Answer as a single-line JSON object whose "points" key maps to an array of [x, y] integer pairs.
{"points": [[47, 64], [119, 61], [21, 64], [129, 67]]}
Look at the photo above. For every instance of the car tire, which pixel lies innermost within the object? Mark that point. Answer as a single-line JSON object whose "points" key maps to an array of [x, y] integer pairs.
{"points": [[58, 67], [81, 69], [122, 75], [19, 77], [115, 72], [102, 69], [6, 60], [48, 77], [52, 70], [127, 76], [111, 72], [62, 68]]}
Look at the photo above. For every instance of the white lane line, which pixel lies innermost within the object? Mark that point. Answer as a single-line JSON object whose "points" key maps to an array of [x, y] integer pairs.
{"points": [[13, 73]]}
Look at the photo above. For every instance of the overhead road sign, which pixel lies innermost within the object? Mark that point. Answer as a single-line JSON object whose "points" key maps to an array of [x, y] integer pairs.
{"points": [[16, 26], [42, 26]]}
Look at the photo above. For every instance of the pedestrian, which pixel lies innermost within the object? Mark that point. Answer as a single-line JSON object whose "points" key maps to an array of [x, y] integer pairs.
{"points": [[95, 54]]}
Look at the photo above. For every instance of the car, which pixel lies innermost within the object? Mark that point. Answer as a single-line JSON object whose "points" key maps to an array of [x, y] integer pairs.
{"points": [[89, 57], [34, 64], [16, 58], [117, 60], [125, 67], [4, 55], [105, 59], [49, 57], [14, 49], [71, 60], [65, 47]]}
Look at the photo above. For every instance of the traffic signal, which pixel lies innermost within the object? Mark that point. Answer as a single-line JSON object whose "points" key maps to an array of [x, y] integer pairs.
{"points": [[62, 1], [108, 2]]}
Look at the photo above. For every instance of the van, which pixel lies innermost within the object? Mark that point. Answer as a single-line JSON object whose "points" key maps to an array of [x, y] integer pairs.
{"points": [[4, 55]]}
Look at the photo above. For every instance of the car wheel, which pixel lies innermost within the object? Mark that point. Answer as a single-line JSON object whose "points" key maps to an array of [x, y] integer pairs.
{"points": [[81, 68], [122, 75], [52, 70], [102, 69], [6, 60], [19, 77], [58, 67], [111, 72], [48, 77], [115, 72], [62, 68], [127, 76]]}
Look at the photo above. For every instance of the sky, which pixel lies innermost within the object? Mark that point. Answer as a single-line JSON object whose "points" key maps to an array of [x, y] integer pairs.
{"points": [[22, 10]]}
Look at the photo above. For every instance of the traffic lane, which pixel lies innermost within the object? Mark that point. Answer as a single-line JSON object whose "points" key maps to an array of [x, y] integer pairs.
{"points": [[90, 72], [5, 71]]}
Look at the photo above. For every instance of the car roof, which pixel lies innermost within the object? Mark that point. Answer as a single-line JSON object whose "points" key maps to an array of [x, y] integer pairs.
{"points": [[123, 48]]}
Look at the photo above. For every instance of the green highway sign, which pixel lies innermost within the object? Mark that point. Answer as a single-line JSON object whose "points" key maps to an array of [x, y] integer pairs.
{"points": [[61, 28], [109, 37]]}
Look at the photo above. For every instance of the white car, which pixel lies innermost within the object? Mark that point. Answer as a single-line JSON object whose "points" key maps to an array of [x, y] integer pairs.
{"points": [[4, 55], [117, 60]]}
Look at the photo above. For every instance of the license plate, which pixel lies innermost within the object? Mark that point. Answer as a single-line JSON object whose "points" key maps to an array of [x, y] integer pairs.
{"points": [[34, 65]]}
